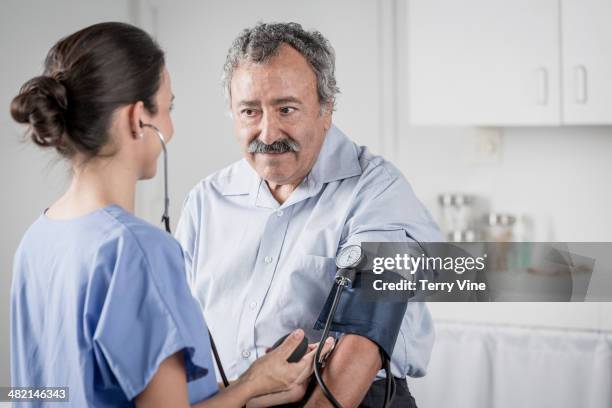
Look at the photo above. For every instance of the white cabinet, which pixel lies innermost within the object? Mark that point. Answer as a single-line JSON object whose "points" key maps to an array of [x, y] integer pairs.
{"points": [[502, 63], [587, 61]]}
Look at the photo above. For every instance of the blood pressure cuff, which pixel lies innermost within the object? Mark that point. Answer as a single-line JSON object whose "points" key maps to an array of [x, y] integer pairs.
{"points": [[358, 312]]}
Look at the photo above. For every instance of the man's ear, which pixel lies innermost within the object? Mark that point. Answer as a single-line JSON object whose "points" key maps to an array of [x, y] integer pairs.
{"points": [[136, 116]]}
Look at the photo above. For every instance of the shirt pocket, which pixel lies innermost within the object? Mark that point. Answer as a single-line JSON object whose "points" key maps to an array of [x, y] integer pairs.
{"points": [[306, 283]]}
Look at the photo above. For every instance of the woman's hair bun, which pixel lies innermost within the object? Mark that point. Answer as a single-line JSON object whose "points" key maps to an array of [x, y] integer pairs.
{"points": [[88, 75], [42, 103]]}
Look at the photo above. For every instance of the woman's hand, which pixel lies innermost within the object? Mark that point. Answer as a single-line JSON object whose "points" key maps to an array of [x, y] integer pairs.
{"points": [[168, 387], [296, 391], [272, 372]]}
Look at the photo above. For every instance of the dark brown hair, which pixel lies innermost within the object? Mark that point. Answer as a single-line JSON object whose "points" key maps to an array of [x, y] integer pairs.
{"points": [[87, 76]]}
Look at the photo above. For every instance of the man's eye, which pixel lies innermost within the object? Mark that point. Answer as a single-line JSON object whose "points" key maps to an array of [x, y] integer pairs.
{"points": [[287, 109], [171, 108], [248, 112]]}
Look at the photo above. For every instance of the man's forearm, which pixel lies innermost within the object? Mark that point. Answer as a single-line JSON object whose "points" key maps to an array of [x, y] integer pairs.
{"points": [[349, 372]]}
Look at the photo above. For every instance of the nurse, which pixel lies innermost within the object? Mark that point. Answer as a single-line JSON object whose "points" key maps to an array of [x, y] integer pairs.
{"points": [[99, 299]]}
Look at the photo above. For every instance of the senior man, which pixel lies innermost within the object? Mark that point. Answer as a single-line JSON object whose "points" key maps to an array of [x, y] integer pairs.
{"points": [[261, 235]]}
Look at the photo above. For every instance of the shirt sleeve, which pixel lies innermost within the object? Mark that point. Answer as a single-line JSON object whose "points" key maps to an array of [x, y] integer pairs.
{"points": [[187, 234], [386, 209], [147, 313]]}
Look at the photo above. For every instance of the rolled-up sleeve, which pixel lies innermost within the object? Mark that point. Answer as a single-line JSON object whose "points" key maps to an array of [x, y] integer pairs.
{"points": [[386, 209]]}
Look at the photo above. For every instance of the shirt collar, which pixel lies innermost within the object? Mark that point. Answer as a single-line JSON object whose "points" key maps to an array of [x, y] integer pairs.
{"points": [[337, 160], [240, 180]]}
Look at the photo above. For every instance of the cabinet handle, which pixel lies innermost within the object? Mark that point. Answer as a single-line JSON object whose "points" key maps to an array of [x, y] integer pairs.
{"points": [[542, 77], [580, 84]]}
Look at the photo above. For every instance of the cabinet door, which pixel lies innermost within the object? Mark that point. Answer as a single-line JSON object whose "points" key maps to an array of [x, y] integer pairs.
{"points": [[587, 61], [484, 62]]}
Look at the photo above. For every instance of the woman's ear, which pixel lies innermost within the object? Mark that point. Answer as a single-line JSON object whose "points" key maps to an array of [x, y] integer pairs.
{"points": [[136, 119]]}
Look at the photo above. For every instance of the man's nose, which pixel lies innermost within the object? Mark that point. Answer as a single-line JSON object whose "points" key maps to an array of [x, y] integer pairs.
{"points": [[269, 129]]}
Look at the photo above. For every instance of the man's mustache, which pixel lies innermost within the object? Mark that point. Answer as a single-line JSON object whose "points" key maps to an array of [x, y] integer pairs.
{"points": [[279, 146]]}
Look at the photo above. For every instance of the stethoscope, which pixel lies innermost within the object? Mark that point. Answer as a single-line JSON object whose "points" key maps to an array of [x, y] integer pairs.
{"points": [[165, 219]]}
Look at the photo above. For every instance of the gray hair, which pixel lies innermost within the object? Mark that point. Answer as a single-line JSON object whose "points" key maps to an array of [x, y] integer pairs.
{"points": [[260, 43]]}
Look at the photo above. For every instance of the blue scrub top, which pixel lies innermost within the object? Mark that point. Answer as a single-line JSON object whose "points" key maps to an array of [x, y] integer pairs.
{"points": [[97, 303]]}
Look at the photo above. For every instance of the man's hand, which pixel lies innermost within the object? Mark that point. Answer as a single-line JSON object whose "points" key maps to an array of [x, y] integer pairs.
{"points": [[349, 372]]}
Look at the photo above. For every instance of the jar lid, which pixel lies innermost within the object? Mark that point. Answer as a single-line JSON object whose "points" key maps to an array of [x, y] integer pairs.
{"points": [[499, 219], [455, 199], [462, 236]]}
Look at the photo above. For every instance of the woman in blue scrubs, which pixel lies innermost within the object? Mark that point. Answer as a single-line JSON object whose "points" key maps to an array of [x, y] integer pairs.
{"points": [[99, 299]]}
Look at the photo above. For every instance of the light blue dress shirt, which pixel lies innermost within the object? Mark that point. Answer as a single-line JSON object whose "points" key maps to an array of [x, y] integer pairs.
{"points": [[97, 303], [261, 269]]}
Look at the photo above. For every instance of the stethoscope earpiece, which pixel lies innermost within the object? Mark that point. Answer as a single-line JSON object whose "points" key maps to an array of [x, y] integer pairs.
{"points": [[165, 217]]}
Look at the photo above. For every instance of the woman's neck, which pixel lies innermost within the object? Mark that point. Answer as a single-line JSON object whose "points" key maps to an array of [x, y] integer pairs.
{"points": [[97, 184]]}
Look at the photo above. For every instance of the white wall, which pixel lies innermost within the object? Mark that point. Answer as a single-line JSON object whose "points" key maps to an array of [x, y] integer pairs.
{"points": [[31, 179], [560, 176]]}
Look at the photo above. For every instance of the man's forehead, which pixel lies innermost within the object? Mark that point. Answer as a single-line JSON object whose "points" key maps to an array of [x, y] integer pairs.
{"points": [[271, 83]]}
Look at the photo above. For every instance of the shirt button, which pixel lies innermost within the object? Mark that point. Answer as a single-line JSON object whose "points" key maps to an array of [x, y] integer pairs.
{"points": [[279, 213], [246, 354], [268, 259], [252, 305]]}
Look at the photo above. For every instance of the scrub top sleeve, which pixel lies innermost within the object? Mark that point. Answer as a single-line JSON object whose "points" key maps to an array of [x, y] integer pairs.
{"points": [[148, 314]]}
